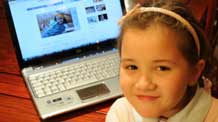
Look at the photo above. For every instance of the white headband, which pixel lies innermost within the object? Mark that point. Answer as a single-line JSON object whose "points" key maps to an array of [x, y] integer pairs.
{"points": [[172, 14], [177, 17]]}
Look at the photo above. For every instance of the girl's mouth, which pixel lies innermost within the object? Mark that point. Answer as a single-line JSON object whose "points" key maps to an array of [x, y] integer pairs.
{"points": [[147, 97]]}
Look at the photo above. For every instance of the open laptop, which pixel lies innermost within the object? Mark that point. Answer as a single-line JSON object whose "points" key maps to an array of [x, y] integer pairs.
{"points": [[66, 51]]}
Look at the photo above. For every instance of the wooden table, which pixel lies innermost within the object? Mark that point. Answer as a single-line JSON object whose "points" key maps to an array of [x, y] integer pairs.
{"points": [[15, 102]]}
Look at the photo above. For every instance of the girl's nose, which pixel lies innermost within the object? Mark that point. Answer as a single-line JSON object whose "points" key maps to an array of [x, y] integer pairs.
{"points": [[145, 83]]}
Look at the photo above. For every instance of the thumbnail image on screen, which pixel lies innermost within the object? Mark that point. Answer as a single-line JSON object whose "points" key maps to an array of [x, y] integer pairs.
{"points": [[57, 22]]}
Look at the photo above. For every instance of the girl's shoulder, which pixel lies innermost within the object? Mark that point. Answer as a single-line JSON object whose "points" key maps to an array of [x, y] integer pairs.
{"points": [[121, 100], [120, 111], [213, 113], [121, 104]]}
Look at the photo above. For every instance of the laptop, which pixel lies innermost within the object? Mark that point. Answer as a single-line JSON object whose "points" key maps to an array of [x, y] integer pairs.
{"points": [[66, 50]]}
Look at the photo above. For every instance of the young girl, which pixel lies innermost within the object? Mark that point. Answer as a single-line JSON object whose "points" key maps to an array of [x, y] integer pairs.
{"points": [[163, 56], [57, 27]]}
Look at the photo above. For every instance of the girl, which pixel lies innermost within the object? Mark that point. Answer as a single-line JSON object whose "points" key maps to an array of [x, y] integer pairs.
{"points": [[163, 56], [57, 27]]}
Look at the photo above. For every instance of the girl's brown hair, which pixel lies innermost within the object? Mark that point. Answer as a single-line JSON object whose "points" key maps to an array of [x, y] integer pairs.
{"points": [[141, 20]]}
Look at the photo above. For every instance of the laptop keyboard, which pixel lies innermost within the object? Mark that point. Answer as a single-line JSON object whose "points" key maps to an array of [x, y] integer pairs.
{"points": [[78, 74]]}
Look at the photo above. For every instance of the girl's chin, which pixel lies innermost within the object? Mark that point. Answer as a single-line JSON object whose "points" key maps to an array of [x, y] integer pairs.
{"points": [[149, 114]]}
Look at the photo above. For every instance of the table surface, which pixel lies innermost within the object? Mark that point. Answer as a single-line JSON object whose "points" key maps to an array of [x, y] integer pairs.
{"points": [[16, 104]]}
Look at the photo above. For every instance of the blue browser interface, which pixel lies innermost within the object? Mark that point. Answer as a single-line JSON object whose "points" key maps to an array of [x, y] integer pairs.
{"points": [[44, 27]]}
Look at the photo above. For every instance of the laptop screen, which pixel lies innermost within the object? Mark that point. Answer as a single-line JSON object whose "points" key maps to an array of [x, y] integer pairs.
{"points": [[52, 27]]}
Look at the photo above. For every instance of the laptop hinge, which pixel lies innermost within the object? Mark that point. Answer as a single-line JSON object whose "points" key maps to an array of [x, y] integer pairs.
{"points": [[38, 67], [27, 69]]}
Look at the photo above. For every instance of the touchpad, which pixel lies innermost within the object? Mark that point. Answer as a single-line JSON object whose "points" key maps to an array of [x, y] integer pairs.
{"points": [[92, 91]]}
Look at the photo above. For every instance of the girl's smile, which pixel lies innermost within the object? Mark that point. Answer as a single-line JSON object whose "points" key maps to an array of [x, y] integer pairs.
{"points": [[147, 98]]}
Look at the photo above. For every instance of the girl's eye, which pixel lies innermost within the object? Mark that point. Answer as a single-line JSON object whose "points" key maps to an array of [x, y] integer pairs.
{"points": [[131, 67], [163, 68]]}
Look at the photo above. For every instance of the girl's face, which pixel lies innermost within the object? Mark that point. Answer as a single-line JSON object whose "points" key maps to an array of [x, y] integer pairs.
{"points": [[153, 73], [59, 19]]}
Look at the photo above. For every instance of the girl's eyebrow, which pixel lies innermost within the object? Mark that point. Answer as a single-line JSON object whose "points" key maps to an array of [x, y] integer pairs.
{"points": [[164, 61], [126, 59], [154, 61]]}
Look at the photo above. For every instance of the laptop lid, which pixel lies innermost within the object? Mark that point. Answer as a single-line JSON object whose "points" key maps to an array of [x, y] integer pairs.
{"points": [[54, 30]]}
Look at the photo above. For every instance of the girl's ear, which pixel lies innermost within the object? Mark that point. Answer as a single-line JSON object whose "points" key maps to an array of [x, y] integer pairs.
{"points": [[199, 67]]}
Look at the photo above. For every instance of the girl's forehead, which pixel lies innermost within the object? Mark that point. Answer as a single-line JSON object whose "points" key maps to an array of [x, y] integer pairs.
{"points": [[156, 40], [155, 31], [59, 16]]}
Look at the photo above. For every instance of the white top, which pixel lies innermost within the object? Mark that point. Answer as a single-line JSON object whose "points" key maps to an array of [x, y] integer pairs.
{"points": [[195, 111]]}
